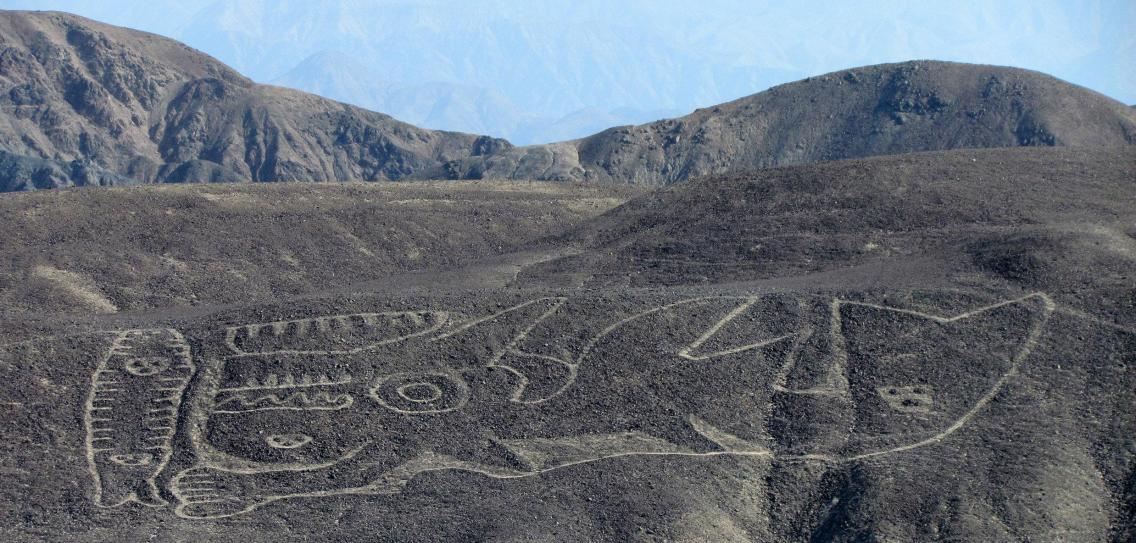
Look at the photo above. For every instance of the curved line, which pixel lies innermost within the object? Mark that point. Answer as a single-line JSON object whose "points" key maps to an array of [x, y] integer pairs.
{"points": [[613, 327], [1027, 348]]}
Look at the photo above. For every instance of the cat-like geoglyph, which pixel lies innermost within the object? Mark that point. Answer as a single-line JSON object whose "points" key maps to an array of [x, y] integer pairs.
{"points": [[360, 404]]}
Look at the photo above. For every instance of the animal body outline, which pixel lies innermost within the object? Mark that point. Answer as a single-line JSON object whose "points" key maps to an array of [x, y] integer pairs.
{"points": [[187, 489], [116, 477]]}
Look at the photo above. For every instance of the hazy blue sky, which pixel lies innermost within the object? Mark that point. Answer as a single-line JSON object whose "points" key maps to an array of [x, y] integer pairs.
{"points": [[536, 70]]}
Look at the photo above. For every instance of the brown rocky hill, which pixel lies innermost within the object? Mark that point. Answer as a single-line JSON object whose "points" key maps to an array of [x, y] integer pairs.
{"points": [[141, 248], [875, 110], [88, 103], [1056, 219], [927, 347]]}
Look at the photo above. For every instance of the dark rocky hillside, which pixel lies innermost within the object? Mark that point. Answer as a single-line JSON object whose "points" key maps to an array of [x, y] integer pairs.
{"points": [[927, 347], [921, 346], [875, 110], [87, 103], [1058, 219], [140, 248]]}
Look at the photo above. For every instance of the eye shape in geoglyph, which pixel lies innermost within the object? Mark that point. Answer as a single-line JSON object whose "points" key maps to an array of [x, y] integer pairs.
{"points": [[146, 366], [935, 371], [907, 399], [420, 392], [287, 441]]}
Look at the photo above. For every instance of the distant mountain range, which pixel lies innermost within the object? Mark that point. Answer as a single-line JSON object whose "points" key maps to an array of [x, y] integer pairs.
{"points": [[875, 110], [88, 103], [586, 58]]}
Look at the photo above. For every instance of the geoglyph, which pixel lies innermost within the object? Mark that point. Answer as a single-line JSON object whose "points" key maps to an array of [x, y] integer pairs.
{"points": [[292, 409]]}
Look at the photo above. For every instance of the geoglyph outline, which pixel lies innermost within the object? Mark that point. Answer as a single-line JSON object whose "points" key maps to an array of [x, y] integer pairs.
{"points": [[730, 445], [95, 432]]}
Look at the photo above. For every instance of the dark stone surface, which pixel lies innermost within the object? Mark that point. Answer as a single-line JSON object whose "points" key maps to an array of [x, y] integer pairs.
{"points": [[925, 347]]}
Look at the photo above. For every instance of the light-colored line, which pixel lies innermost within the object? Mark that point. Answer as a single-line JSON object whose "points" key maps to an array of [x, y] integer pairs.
{"points": [[809, 391], [286, 387], [1027, 348], [238, 352], [282, 408], [383, 486], [709, 333], [495, 360], [120, 347], [613, 327], [472, 323]]}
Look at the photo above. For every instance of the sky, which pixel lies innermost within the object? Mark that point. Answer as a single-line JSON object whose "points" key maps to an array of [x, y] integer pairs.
{"points": [[535, 70]]}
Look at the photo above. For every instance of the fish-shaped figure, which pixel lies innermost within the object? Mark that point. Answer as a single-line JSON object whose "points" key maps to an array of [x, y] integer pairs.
{"points": [[718, 375], [131, 414]]}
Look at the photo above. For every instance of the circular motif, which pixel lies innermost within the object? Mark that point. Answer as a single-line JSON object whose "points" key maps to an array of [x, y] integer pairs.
{"points": [[145, 366], [132, 459], [287, 441], [420, 392], [416, 393]]}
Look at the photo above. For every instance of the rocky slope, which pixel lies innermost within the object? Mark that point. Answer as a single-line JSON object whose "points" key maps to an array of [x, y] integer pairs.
{"points": [[88, 97], [147, 247], [928, 347], [875, 110], [1059, 219], [87, 103]]}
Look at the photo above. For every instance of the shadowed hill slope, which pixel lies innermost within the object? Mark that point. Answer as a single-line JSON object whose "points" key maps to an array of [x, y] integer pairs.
{"points": [[81, 94], [105, 250], [935, 346], [874, 110], [1055, 218]]}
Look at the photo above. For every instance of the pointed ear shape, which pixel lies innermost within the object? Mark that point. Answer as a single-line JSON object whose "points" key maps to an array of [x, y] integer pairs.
{"points": [[874, 327], [484, 340], [541, 378], [914, 374], [698, 330]]}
